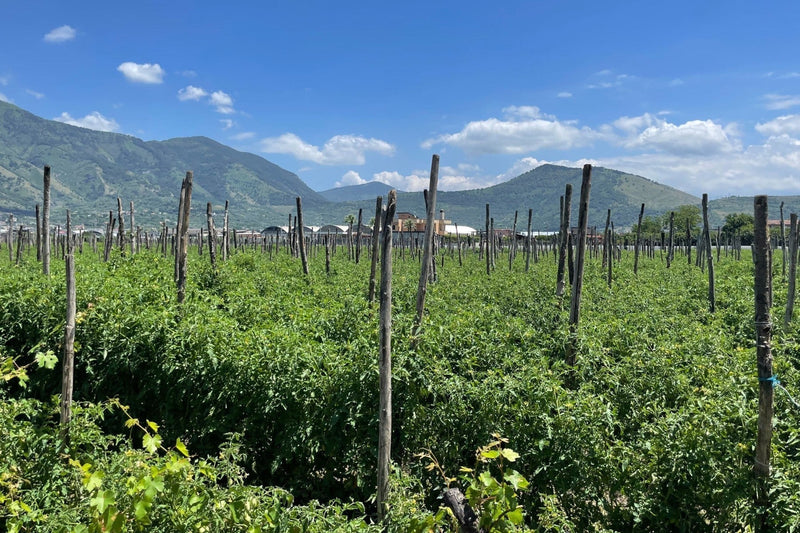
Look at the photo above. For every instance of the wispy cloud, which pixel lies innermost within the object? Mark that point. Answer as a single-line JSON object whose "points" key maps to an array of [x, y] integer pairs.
{"points": [[35, 94], [60, 34], [338, 150], [4, 98], [226, 124], [564, 94], [222, 101], [785, 125], [150, 73], [245, 135], [781, 101], [92, 121]]}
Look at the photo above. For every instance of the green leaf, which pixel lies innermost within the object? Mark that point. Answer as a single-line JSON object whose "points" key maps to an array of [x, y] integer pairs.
{"points": [[153, 425], [510, 454], [151, 442], [46, 359], [102, 501], [181, 447], [490, 454], [516, 480], [94, 481]]}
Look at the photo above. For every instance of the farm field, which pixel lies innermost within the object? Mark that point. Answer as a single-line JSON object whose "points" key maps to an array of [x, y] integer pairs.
{"points": [[253, 406]]}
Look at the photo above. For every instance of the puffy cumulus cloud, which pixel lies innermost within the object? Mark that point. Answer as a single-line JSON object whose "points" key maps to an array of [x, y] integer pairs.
{"points": [[92, 121], [338, 150], [60, 34], [223, 102], [190, 92], [787, 124], [781, 101], [525, 129], [692, 137], [450, 179], [150, 73], [351, 177]]}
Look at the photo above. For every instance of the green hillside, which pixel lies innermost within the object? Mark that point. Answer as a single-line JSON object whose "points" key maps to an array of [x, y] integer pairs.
{"points": [[90, 169]]}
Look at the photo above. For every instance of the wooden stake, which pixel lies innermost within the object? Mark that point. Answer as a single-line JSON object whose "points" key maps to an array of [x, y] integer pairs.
{"points": [[385, 364], [183, 237], [376, 229], [792, 268], [68, 366], [710, 256], [45, 229], [766, 379], [562, 243], [425, 272], [638, 242], [580, 253], [301, 240]]}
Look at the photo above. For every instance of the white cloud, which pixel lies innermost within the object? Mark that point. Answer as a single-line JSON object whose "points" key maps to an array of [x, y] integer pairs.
{"points": [[450, 179], [787, 124], [692, 137], [190, 92], [535, 131], [4, 98], [350, 177], [60, 34], [677, 82], [188, 73], [4, 80], [35, 94], [223, 102], [338, 150], [142, 72], [245, 135], [564, 94], [226, 123], [781, 101], [92, 121]]}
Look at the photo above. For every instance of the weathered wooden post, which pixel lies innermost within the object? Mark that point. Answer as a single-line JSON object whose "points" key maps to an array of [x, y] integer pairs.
{"points": [[671, 236], [358, 235], [710, 257], [120, 226], [226, 246], [487, 248], [301, 240], [580, 253], [212, 237], [45, 229], [766, 379], [528, 242], [68, 366], [425, 272], [513, 250], [385, 364], [134, 244], [638, 242], [790, 295], [562, 242], [183, 237], [783, 248], [373, 267]]}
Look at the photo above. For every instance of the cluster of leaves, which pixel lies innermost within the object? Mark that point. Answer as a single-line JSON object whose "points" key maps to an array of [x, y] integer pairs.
{"points": [[654, 428]]}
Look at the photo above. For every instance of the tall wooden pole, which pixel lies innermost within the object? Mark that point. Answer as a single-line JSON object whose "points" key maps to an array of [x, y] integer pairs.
{"points": [[580, 254], [790, 295], [373, 267], [766, 379], [783, 247], [710, 257], [301, 240], [563, 241], [425, 272], [385, 363], [45, 230], [183, 237], [212, 236], [68, 366], [638, 242]]}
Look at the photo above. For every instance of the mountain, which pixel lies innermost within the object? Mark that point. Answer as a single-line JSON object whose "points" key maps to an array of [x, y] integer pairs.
{"points": [[540, 190], [90, 169], [744, 204], [365, 191]]}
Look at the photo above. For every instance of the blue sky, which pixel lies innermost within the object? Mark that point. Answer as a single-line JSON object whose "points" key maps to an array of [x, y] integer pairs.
{"points": [[703, 96]]}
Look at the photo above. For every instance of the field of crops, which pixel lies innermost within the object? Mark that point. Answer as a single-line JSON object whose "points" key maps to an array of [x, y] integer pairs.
{"points": [[253, 406]]}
